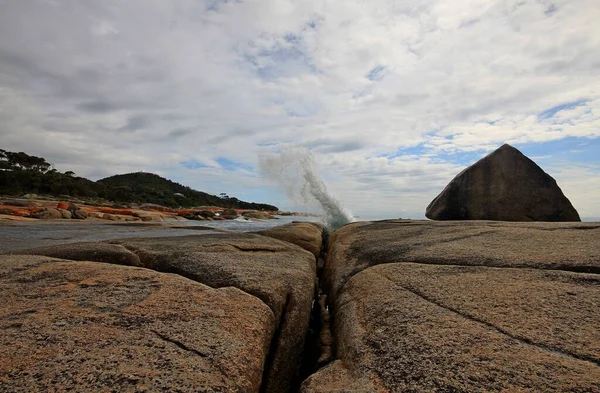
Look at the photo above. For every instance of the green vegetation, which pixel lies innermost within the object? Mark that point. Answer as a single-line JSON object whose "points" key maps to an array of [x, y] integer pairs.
{"points": [[150, 188], [24, 174]]}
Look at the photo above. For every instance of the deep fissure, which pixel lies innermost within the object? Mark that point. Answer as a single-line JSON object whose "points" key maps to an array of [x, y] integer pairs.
{"points": [[318, 344]]}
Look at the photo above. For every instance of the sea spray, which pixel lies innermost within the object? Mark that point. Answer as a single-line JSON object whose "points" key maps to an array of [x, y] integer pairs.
{"points": [[295, 170]]}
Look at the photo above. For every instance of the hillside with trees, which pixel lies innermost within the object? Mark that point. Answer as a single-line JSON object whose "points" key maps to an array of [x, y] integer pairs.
{"points": [[151, 188], [21, 174]]}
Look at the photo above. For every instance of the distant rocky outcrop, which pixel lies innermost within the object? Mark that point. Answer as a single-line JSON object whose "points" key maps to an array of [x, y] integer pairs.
{"points": [[506, 186]]}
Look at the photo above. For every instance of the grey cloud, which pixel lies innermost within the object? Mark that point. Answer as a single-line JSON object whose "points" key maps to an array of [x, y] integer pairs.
{"points": [[214, 5], [171, 116], [330, 145], [342, 147], [98, 106], [551, 9], [178, 133], [135, 123], [240, 132]]}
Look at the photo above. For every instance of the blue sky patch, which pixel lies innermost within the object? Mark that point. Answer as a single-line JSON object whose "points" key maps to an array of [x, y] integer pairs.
{"points": [[230, 165], [548, 113], [313, 23], [376, 73], [461, 158], [193, 164], [282, 61], [214, 5], [293, 38], [407, 151], [572, 149]]}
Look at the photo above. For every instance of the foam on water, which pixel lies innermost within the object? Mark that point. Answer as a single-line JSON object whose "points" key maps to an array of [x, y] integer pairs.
{"points": [[296, 172]]}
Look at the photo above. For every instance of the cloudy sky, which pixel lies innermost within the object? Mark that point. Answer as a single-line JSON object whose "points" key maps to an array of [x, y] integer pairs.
{"points": [[393, 97]]}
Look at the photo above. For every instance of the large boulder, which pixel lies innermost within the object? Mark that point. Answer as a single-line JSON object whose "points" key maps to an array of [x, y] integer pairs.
{"points": [[463, 307], [258, 215], [205, 213], [229, 214], [95, 327], [66, 214], [47, 213], [280, 274], [63, 205], [307, 235], [80, 214], [506, 186]]}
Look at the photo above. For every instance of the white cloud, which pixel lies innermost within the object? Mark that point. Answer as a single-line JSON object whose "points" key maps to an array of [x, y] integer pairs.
{"points": [[580, 182], [109, 86]]}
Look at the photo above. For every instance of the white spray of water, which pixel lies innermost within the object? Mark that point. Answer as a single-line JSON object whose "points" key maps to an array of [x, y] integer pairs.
{"points": [[295, 171]]}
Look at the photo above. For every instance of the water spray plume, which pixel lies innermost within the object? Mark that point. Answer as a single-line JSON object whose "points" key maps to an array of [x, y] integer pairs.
{"points": [[295, 171]]}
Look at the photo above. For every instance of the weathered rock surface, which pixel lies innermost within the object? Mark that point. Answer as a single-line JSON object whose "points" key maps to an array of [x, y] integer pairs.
{"points": [[229, 214], [47, 214], [205, 213], [416, 306], [19, 203], [80, 214], [66, 214], [258, 215], [93, 327], [97, 252], [463, 307], [282, 275], [566, 246], [406, 336], [505, 185], [307, 235]]}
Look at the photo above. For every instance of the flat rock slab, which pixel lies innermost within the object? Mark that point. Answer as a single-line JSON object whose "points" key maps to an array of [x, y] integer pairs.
{"points": [[407, 327], [95, 327], [471, 306], [279, 273], [564, 246]]}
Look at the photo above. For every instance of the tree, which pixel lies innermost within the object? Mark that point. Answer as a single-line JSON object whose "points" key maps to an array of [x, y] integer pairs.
{"points": [[21, 161], [70, 173], [4, 163]]}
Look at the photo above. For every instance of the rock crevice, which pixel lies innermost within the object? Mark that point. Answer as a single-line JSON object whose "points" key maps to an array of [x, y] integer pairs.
{"points": [[462, 306]]}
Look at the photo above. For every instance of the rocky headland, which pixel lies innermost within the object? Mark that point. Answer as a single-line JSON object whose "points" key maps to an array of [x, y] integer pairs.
{"points": [[34, 208]]}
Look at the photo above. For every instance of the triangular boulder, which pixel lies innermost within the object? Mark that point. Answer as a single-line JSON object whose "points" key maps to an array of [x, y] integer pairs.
{"points": [[505, 186]]}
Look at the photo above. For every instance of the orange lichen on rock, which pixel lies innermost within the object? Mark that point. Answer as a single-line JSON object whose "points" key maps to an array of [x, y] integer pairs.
{"points": [[124, 212], [15, 211]]}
